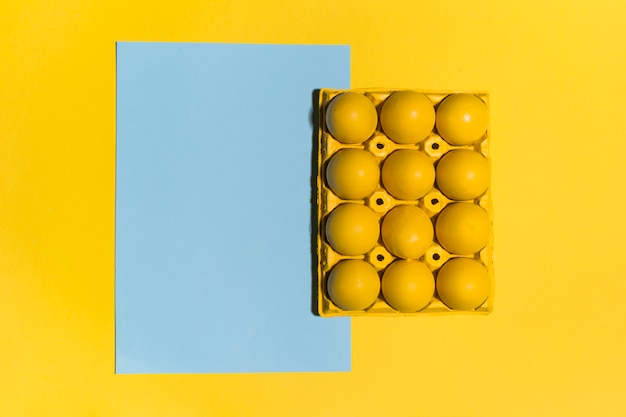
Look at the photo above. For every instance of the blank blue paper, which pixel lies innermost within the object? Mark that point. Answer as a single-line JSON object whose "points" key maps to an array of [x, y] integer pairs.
{"points": [[213, 209]]}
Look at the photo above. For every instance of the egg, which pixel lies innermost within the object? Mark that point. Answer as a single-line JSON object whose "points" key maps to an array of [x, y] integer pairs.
{"points": [[463, 228], [407, 232], [352, 174], [353, 285], [408, 286], [407, 117], [408, 174], [463, 284], [351, 118], [462, 174], [352, 229], [461, 119]]}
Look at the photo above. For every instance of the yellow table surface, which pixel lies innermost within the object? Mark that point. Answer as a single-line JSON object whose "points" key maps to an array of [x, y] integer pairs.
{"points": [[555, 343]]}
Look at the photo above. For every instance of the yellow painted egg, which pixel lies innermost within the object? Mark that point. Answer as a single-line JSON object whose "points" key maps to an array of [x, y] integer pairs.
{"points": [[407, 117], [463, 284], [408, 174], [353, 284], [462, 119], [352, 229], [408, 286], [407, 232], [352, 174], [463, 228], [463, 174], [351, 117]]}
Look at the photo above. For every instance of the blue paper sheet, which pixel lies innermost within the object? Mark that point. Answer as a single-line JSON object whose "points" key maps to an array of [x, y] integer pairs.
{"points": [[213, 209]]}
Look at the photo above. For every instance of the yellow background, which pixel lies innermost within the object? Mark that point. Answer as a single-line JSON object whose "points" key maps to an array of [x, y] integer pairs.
{"points": [[555, 343]]}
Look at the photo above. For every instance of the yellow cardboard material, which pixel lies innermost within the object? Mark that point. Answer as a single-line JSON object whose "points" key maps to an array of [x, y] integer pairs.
{"points": [[380, 201]]}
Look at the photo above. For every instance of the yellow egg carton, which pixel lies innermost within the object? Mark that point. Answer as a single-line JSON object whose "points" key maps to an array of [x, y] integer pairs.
{"points": [[413, 232]]}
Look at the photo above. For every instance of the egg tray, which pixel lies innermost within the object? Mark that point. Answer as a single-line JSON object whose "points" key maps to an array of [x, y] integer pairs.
{"points": [[381, 202]]}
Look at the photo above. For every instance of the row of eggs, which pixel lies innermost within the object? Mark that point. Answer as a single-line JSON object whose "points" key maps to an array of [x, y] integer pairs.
{"points": [[408, 174], [409, 285], [406, 231], [407, 117]]}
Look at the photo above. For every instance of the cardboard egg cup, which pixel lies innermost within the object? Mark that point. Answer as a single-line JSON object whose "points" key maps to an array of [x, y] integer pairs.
{"points": [[381, 202]]}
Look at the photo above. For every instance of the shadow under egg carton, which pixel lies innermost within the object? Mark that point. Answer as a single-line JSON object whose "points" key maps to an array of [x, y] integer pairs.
{"points": [[381, 202]]}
